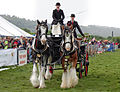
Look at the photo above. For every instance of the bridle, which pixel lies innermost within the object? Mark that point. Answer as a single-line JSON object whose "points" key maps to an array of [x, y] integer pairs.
{"points": [[72, 49], [38, 38]]}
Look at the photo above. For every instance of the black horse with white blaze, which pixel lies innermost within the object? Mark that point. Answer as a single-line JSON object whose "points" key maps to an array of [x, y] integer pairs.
{"points": [[41, 56]]}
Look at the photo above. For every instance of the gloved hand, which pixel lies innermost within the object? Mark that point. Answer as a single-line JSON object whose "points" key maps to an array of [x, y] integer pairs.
{"points": [[55, 20], [59, 20]]}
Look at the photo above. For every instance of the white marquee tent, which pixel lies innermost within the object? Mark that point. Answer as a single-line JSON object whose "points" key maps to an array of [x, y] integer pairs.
{"points": [[8, 29]]}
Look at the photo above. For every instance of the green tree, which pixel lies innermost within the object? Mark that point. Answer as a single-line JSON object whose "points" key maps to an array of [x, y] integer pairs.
{"points": [[26, 30]]}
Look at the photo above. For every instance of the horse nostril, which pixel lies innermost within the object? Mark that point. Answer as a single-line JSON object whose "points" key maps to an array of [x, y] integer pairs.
{"points": [[43, 41], [68, 49]]}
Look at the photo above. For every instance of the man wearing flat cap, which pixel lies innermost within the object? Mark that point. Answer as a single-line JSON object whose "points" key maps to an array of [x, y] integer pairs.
{"points": [[58, 15]]}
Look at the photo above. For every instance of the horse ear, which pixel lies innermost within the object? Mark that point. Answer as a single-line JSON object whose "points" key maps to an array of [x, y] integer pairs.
{"points": [[38, 22], [46, 21]]}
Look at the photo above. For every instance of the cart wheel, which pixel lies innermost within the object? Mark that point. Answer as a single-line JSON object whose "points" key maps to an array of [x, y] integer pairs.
{"points": [[86, 70], [80, 70], [86, 65]]}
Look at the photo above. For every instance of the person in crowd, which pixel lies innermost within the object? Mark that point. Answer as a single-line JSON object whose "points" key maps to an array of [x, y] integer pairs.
{"points": [[19, 43], [24, 43], [1, 44], [15, 44], [11, 43], [6, 43]]}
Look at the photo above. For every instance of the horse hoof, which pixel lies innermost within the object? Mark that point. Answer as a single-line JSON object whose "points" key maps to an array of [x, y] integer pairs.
{"points": [[42, 87], [36, 87], [64, 86], [48, 77]]}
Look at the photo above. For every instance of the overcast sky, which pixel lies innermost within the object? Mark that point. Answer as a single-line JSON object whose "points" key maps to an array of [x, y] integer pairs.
{"points": [[88, 12]]}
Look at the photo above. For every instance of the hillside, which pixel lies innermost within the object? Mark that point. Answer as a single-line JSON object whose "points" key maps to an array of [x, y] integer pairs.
{"points": [[101, 30], [21, 22], [92, 29]]}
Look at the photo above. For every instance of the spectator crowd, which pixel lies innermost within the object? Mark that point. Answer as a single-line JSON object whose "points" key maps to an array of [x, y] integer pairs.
{"points": [[17, 43], [96, 47], [10, 42]]}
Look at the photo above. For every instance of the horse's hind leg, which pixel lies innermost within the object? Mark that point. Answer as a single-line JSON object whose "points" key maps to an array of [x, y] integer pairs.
{"points": [[34, 80], [48, 74]]}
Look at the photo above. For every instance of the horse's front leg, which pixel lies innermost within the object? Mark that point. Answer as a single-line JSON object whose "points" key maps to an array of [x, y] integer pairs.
{"points": [[73, 75], [49, 70], [41, 74], [42, 80], [34, 80], [65, 77]]}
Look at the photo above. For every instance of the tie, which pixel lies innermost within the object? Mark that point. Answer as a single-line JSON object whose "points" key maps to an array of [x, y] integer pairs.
{"points": [[72, 22]]}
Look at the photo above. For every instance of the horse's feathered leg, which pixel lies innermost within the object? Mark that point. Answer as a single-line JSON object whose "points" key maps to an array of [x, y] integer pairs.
{"points": [[73, 75], [39, 68], [42, 72], [48, 74], [33, 78], [65, 77], [42, 80]]}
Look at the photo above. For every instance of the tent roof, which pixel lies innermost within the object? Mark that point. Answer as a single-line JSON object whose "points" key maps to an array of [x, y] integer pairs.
{"points": [[8, 29]]}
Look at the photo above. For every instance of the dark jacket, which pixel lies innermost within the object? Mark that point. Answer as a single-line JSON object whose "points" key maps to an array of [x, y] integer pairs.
{"points": [[58, 16], [75, 25]]}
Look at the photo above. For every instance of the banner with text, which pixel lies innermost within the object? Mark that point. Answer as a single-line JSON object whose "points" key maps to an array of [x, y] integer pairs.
{"points": [[22, 57], [8, 57]]}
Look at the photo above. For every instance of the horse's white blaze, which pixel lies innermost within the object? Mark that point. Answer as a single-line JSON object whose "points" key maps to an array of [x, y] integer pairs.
{"points": [[34, 80], [73, 77], [68, 45], [43, 29], [56, 30], [43, 38], [42, 80]]}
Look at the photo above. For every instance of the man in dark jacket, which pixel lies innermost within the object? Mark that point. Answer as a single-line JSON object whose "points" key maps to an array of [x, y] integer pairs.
{"points": [[58, 15], [75, 25]]}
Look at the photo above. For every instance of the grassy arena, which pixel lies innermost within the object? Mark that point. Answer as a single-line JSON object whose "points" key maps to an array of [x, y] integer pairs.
{"points": [[104, 76]]}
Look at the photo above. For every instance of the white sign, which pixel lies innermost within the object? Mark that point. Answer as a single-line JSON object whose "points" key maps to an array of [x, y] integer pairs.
{"points": [[22, 57], [8, 57]]}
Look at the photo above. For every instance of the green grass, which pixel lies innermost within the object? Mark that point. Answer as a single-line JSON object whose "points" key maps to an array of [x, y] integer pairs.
{"points": [[104, 76]]}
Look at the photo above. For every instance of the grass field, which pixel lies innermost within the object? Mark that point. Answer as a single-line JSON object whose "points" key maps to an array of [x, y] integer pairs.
{"points": [[104, 76]]}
